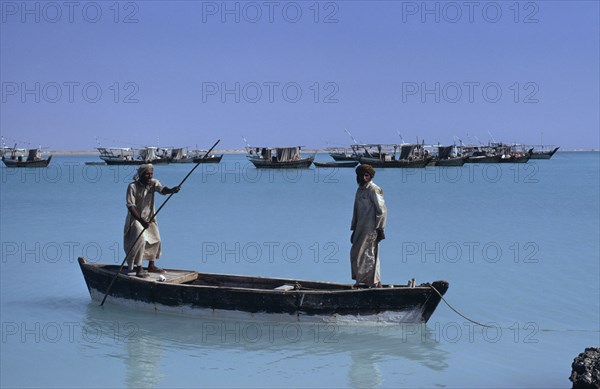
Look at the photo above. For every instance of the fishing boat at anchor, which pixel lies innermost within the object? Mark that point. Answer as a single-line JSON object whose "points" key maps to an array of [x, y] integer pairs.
{"points": [[25, 158], [130, 156], [543, 152], [447, 156], [345, 154], [395, 156], [480, 154], [278, 157], [181, 155], [222, 295], [120, 156], [155, 155], [514, 153]]}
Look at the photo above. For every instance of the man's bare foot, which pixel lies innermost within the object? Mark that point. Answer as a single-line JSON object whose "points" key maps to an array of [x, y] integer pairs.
{"points": [[154, 269], [140, 272]]}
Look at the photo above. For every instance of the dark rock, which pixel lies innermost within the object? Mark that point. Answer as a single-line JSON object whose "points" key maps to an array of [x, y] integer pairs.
{"points": [[586, 369]]}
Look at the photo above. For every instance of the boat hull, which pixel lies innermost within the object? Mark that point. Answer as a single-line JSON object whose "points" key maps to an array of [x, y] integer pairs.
{"points": [[484, 159], [524, 158], [521, 159], [212, 159], [403, 163], [543, 154], [348, 164], [121, 161], [16, 163], [459, 161], [229, 295], [127, 162], [343, 157]]}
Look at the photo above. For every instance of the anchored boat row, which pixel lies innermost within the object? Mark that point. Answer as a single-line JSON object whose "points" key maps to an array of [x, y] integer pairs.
{"points": [[376, 155], [398, 155], [420, 155], [155, 155]]}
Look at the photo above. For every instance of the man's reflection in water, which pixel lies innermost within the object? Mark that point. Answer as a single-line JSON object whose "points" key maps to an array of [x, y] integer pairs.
{"points": [[143, 362], [364, 371], [376, 344], [130, 337]]}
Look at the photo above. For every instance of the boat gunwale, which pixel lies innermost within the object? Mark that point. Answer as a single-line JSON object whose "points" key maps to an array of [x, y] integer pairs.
{"points": [[348, 287]]}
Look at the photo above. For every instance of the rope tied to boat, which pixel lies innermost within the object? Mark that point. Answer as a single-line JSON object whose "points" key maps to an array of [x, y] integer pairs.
{"points": [[454, 309]]}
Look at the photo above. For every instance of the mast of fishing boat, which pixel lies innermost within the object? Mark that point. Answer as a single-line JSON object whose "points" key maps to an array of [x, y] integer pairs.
{"points": [[401, 138], [348, 132]]}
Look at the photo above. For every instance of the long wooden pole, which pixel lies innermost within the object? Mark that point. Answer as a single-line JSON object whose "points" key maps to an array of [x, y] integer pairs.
{"points": [[151, 220]]}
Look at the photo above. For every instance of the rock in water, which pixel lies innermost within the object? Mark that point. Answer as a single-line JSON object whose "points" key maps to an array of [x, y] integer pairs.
{"points": [[586, 369]]}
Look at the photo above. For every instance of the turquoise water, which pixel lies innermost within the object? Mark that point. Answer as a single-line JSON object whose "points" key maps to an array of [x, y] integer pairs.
{"points": [[519, 245]]}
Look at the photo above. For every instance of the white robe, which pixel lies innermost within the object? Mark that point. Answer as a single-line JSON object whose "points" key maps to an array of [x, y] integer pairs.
{"points": [[368, 215], [148, 246]]}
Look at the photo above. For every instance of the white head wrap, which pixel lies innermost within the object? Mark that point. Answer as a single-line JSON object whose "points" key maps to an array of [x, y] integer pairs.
{"points": [[141, 170]]}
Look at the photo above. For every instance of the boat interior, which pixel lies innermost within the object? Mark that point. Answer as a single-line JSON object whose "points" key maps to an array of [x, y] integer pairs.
{"points": [[187, 277]]}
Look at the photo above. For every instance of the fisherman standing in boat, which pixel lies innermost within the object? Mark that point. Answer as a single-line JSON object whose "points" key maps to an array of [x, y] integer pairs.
{"points": [[368, 222], [140, 206]]}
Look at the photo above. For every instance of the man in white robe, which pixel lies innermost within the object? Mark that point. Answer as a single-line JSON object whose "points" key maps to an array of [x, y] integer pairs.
{"points": [[368, 222], [140, 212]]}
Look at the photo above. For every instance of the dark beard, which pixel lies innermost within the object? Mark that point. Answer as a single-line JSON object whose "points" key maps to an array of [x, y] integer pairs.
{"points": [[361, 181]]}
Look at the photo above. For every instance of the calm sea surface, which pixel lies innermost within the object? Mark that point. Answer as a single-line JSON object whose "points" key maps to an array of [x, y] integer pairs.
{"points": [[519, 245]]}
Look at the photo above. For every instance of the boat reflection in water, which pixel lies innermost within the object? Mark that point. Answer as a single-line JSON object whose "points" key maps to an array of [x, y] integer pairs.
{"points": [[156, 349]]}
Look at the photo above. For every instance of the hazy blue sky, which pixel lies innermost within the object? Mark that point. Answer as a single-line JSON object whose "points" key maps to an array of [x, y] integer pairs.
{"points": [[184, 73]]}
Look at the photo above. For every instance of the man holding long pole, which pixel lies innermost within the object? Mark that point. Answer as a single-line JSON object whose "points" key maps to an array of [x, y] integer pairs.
{"points": [[141, 221], [148, 222]]}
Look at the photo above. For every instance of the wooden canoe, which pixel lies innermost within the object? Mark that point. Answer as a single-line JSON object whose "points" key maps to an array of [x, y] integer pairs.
{"points": [[222, 295]]}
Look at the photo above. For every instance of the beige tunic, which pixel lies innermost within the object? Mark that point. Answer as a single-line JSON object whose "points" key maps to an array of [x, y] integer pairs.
{"points": [[148, 246], [369, 214]]}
